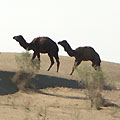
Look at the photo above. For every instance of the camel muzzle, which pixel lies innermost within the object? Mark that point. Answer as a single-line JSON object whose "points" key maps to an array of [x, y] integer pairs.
{"points": [[59, 43], [14, 37]]}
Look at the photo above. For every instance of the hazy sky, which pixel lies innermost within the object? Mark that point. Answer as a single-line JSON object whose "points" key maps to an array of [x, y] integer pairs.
{"points": [[93, 23]]}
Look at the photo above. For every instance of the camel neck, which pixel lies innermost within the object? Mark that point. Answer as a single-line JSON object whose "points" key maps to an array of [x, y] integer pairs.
{"points": [[24, 44], [69, 50]]}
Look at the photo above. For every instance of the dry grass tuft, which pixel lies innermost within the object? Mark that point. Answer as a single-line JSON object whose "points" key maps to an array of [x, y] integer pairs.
{"points": [[94, 82], [27, 71], [22, 80]]}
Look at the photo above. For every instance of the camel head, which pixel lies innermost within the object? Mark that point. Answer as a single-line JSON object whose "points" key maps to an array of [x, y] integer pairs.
{"points": [[63, 43], [67, 48], [18, 38], [21, 41]]}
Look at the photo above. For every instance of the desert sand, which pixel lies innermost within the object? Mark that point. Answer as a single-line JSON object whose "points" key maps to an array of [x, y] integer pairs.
{"points": [[58, 95]]}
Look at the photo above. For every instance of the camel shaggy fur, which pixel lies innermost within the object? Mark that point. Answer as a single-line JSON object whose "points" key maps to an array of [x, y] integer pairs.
{"points": [[81, 54], [41, 45]]}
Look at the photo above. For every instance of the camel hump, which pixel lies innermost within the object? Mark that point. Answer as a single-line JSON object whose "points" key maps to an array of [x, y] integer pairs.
{"points": [[43, 39], [88, 48], [87, 52], [44, 44]]}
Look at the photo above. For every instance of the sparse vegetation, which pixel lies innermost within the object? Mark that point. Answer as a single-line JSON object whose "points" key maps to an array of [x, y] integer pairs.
{"points": [[76, 115], [27, 70], [94, 82], [66, 102], [43, 113]]}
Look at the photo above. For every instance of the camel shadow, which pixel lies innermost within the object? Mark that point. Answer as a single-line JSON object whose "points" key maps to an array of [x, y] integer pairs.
{"points": [[46, 81], [109, 104], [6, 85], [40, 82], [62, 96]]}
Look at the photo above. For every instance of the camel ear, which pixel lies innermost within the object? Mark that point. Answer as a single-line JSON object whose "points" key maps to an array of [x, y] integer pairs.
{"points": [[20, 36], [64, 40]]}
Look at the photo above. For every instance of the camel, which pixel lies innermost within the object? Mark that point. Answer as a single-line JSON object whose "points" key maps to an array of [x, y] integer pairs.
{"points": [[81, 54], [41, 45]]}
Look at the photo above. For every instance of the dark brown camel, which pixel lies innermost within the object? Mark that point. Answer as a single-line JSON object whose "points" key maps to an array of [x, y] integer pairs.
{"points": [[41, 45], [81, 54]]}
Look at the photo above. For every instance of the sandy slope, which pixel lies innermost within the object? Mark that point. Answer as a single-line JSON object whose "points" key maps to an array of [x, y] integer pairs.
{"points": [[58, 96]]}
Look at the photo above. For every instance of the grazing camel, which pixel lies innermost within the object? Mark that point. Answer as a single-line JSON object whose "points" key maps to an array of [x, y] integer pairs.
{"points": [[81, 54], [41, 45]]}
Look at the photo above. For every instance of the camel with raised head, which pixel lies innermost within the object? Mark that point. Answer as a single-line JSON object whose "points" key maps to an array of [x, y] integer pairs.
{"points": [[81, 54], [41, 45]]}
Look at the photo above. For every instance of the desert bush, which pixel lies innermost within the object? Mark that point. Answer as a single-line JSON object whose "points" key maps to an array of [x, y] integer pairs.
{"points": [[25, 63], [94, 82], [27, 70]]}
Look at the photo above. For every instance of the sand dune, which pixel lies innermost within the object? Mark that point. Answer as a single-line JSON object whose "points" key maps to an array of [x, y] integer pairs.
{"points": [[59, 97]]}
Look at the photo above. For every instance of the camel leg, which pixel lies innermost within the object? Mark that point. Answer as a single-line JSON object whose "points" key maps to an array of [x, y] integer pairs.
{"points": [[96, 67], [76, 63], [58, 63], [52, 61], [34, 55], [38, 55]]}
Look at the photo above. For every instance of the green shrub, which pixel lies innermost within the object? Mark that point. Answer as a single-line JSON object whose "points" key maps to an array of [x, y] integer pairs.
{"points": [[94, 81], [25, 63], [27, 70]]}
